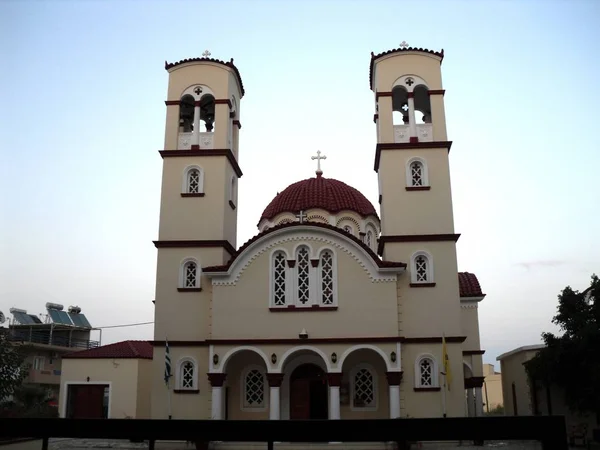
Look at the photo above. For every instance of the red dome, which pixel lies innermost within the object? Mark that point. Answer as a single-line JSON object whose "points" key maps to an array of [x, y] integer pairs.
{"points": [[324, 193]]}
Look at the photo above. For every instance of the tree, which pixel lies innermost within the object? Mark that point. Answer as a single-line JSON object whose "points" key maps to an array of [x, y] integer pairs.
{"points": [[12, 367], [572, 361]]}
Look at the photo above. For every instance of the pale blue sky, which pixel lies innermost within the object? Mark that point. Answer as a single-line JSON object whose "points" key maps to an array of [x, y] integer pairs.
{"points": [[82, 91]]}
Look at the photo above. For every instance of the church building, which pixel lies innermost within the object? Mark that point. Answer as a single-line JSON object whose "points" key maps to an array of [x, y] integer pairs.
{"points": [[335, 309]]}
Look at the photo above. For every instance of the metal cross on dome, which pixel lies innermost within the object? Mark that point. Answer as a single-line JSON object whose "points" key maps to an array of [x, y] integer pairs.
{"points": [[404, 44], [206, 54], [318, 158], [301, 216]]}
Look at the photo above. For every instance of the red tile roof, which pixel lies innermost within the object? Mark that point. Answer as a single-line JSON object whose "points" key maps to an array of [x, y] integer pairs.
{"points": [[469, 285], [399, 50], [118, 350], [320, 192], [371, 253], [218, 61]]}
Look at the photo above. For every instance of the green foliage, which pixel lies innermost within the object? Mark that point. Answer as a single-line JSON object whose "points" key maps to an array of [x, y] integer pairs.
{"points": [[497, 411], [12, 367], [572, 361]]}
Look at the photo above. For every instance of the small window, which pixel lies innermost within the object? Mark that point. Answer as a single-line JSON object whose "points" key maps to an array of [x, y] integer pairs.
{"points": [[426, 372], [232, 192], [364, 392], [416, 173], [190, 275], [193, 185], [38, 363], [187, 376], [348, 229], [254, 389], [193, 180], [421, 268]]}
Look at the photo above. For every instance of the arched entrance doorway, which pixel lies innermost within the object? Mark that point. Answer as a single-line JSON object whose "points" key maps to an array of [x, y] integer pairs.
{"points": [[308, 393]]}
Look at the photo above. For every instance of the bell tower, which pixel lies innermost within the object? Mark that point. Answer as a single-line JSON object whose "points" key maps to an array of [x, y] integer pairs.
{"points": [[412, 165], [198, 209]]}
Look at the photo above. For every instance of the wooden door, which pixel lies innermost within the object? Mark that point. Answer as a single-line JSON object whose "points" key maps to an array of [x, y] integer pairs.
{"points": [[86, 401], [300, 399]]}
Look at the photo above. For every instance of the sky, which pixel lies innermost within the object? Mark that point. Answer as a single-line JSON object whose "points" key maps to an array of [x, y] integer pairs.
{"points": [[82, 112]]}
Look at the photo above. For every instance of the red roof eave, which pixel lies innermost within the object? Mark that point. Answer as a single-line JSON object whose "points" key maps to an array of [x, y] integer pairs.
{"points": [[381, 264], [374, 57], [229, 64]]}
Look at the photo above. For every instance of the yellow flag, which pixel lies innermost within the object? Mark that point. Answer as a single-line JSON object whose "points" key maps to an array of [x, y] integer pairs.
{"points": [[446, 360]]}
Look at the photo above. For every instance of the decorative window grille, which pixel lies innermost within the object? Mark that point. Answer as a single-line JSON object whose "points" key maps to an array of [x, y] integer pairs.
{"points": [[369, 239], [254, 389], [193, 181], [426, 372], [187, 375], [190, 275], [421, 269], [327, 278], [364, 389], [279, 279], [416, 172], [303, 276]]}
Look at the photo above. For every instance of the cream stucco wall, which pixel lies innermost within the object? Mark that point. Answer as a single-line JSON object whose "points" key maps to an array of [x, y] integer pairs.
{"points": [[365, 308], [415, 212], [128, 388], [470, 325], [514, 374], [184, 405], [492, 394]]}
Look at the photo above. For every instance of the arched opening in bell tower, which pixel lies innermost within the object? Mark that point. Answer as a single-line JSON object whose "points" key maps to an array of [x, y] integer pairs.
{"points": [[400, 116], [207, 114], [186, 114], [423, 113]]}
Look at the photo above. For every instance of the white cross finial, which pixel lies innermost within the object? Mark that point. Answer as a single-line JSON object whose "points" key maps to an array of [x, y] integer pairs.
{"points": [[206, 54], [404, 44], [318, 158], [301, 216]]}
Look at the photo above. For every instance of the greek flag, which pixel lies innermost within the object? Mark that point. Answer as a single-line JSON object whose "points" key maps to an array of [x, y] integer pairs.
{"points": [[167, 363]]}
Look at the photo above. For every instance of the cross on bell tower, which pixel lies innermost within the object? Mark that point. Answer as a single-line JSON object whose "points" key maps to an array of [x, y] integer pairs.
{"points": [[319, 172]]}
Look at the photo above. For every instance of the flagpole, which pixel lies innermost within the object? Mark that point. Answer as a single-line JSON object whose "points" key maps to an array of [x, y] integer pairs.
{"points": [[444, 397], [168, 376]]}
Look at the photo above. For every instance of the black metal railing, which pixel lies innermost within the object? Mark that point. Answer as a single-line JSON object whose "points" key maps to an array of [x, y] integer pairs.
{"points": [[37, 337], [549, 430]]}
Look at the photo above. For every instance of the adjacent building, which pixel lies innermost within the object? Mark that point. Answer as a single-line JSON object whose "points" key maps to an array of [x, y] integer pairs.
{"points": [[46, 338]]}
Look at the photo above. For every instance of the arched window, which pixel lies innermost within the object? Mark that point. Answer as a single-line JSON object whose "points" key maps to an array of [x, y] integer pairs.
{"points": [[326, 274], [190, 275], [416, 173], [193, 180], [421, 268], [364, 388], [187, 374], [426, 372], [399, 105], [303, 275], [279, 285], [254, 393], [422, 104]]}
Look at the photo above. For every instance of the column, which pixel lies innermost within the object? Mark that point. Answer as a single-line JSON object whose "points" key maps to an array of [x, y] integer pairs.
{"points": [[196, 134], [478, 402], [470, 402], [335, 380], [412, 125], [275, 380], [394, 379], [216, 382]]}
